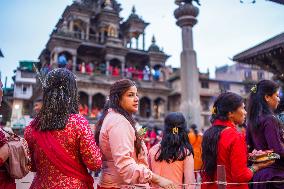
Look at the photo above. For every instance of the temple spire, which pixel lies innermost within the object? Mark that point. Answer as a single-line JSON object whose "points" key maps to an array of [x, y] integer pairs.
{"points": [[108, 4], [153, 40], [133, 10]]}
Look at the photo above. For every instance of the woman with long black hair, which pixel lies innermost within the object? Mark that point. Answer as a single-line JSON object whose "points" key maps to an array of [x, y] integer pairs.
{"points": [[223, 145], [172, 158], [265, 132], [124, 152], [60, 140]]}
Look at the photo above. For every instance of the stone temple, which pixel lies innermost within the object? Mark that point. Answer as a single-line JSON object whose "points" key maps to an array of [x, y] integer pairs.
{"points": [[93, 41]]}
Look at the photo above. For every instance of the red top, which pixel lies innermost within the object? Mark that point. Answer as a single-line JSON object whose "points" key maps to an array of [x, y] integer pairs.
{"points": [[78, 141], [232, 153]]}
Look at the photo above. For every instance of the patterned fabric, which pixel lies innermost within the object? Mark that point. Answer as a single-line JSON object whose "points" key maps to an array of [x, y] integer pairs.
{"points": [[6, 182], [3, 139], [78, 141]]}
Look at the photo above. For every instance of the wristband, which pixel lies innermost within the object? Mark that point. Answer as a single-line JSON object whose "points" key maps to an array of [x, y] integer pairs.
{"points": [[252, 169]]}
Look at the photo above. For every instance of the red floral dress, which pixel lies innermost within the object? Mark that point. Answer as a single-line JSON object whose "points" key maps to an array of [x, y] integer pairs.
{"points": [[78, 141], [6, 182]]}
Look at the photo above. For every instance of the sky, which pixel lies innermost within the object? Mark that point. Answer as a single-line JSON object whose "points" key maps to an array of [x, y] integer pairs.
{"points": [[224, 28]]}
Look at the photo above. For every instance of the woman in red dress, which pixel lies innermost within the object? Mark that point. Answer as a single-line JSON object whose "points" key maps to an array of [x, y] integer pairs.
{"points": [[223, 145], [61, 142]]}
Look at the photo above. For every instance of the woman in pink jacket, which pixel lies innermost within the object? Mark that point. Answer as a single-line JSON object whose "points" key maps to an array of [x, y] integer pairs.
{"points": [[124, 152]]}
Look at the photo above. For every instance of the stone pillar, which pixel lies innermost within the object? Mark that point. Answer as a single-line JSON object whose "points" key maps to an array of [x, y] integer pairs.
{"points": [[151, 107], [143, 43], [123, 68], [97, 37], [88, 31], [82, 35], [90, 102], [137, 43], [102, 36], [152, 104], [55, 62], [107, 67], [71, 26], [186, 15], [130, 45], [74, 64]]}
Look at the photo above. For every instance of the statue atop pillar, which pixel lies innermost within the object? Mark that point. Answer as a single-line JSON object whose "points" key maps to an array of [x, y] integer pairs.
{"points": [[186, 13], [179, 2]]}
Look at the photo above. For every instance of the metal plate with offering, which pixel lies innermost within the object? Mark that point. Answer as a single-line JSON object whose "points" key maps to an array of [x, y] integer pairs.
{"points": [[263, 156]]}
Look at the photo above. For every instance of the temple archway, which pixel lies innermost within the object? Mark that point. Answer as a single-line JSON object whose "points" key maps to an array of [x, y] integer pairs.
{"points": [[83, 103], [159, 108], [145, 107]]}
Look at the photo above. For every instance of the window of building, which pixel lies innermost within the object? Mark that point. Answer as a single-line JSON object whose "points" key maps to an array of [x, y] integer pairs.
{"points": [[27, 107], [224, 86], [24, 89], [260, 75], [206, 120], [205, 84], [205, 105], [248, 75]]}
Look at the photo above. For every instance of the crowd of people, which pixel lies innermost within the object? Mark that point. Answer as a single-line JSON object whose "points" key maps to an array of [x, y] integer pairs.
{"points": [[64, 149], [131, 72]]}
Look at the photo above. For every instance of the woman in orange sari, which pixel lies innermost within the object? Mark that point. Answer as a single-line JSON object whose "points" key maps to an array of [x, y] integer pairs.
{"points": [[195, 140]]}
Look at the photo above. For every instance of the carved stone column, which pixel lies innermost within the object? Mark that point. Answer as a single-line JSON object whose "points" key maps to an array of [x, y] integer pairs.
{"points": [[74, 64], [107, 67], [186, 15], [90, 102]]}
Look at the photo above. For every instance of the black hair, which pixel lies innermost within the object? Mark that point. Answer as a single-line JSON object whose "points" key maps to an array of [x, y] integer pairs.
{"points": [[60, 99], [194, 128], [175, 144], [225, 103], [116, 92], [257, 104], [39, 99]]}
